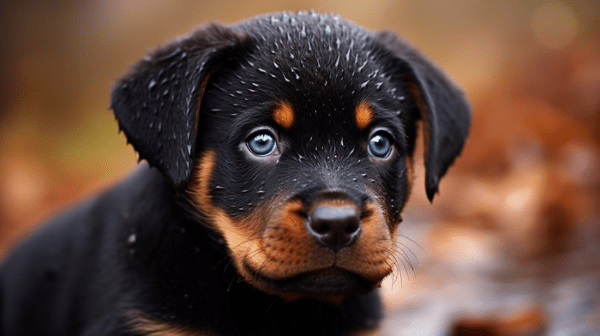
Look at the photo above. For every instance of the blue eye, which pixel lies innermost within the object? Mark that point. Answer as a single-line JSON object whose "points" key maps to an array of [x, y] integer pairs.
{"points": [[380, 146], [261, 144]]}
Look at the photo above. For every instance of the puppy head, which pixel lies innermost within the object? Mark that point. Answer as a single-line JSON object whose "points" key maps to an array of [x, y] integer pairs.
{"points": [[293, 136]]}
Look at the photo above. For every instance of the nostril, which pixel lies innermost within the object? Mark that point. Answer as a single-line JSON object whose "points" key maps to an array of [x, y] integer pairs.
{"points": [[334, 226], [352, 227], [321, 228]]}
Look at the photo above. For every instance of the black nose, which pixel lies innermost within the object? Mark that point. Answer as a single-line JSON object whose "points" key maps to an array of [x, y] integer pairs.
{"points": [[334, 226]]}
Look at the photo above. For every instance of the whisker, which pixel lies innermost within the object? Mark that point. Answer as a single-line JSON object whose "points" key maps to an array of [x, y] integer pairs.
{"points": [[229, 257], [411, 252], [404, 266], [271, 305], [396, 262], [232, 281], [411, 240]]}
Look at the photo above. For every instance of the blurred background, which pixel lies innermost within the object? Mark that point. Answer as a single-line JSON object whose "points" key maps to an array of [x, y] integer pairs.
{"points": [[511, 245]]}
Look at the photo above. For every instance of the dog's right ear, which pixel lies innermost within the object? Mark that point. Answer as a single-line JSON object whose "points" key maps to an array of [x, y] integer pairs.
{"points": [[441, 105], [157, 102]]}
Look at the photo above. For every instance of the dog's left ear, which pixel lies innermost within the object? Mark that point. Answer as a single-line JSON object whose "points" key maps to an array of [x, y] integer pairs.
{"points": [[441, 105], [157, 102]]}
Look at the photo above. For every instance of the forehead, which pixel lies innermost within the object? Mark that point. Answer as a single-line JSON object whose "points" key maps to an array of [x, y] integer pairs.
{"points": [[319, 67], [329, 38], [312, 51]]}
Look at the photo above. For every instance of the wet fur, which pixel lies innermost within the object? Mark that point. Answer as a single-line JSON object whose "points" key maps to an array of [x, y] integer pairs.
{"points": [[205, 240]]}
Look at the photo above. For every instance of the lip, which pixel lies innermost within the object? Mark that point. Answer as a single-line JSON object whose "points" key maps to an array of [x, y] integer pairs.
{"points": [[328, 281]]}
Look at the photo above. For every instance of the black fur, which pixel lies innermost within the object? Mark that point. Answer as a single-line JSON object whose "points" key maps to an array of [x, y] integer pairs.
{"points": [[146, 247]]}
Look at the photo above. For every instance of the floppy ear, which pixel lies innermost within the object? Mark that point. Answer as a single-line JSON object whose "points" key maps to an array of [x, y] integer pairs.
{"points": [[157, 102], [445, 113]]}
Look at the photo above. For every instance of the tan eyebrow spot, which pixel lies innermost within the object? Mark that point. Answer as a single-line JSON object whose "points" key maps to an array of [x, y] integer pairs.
{"points": [[363, 114], [284, 115]]}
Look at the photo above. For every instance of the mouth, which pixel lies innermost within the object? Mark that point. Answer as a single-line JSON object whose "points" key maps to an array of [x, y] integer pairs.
{"points": [[328, 281]]}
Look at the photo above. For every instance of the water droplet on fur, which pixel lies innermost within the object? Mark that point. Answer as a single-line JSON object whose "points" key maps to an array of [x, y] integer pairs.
{"points": [[131, 239], [360, 68]]}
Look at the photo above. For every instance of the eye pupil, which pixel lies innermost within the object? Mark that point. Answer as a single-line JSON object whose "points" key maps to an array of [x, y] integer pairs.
{"points": [[380, 146], [261, 144]]}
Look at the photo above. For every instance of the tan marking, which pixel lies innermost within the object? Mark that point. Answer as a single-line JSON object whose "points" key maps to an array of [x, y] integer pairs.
{"points": [[274, 241], [410, 177], [371, 256], [238, 238], [363, 114], [142, 324], [281, 250], [288, 248], [284, 115], [423, 111]]}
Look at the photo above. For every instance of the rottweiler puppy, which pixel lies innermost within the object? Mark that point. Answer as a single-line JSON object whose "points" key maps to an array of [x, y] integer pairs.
{"points": [[279, 158]]}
